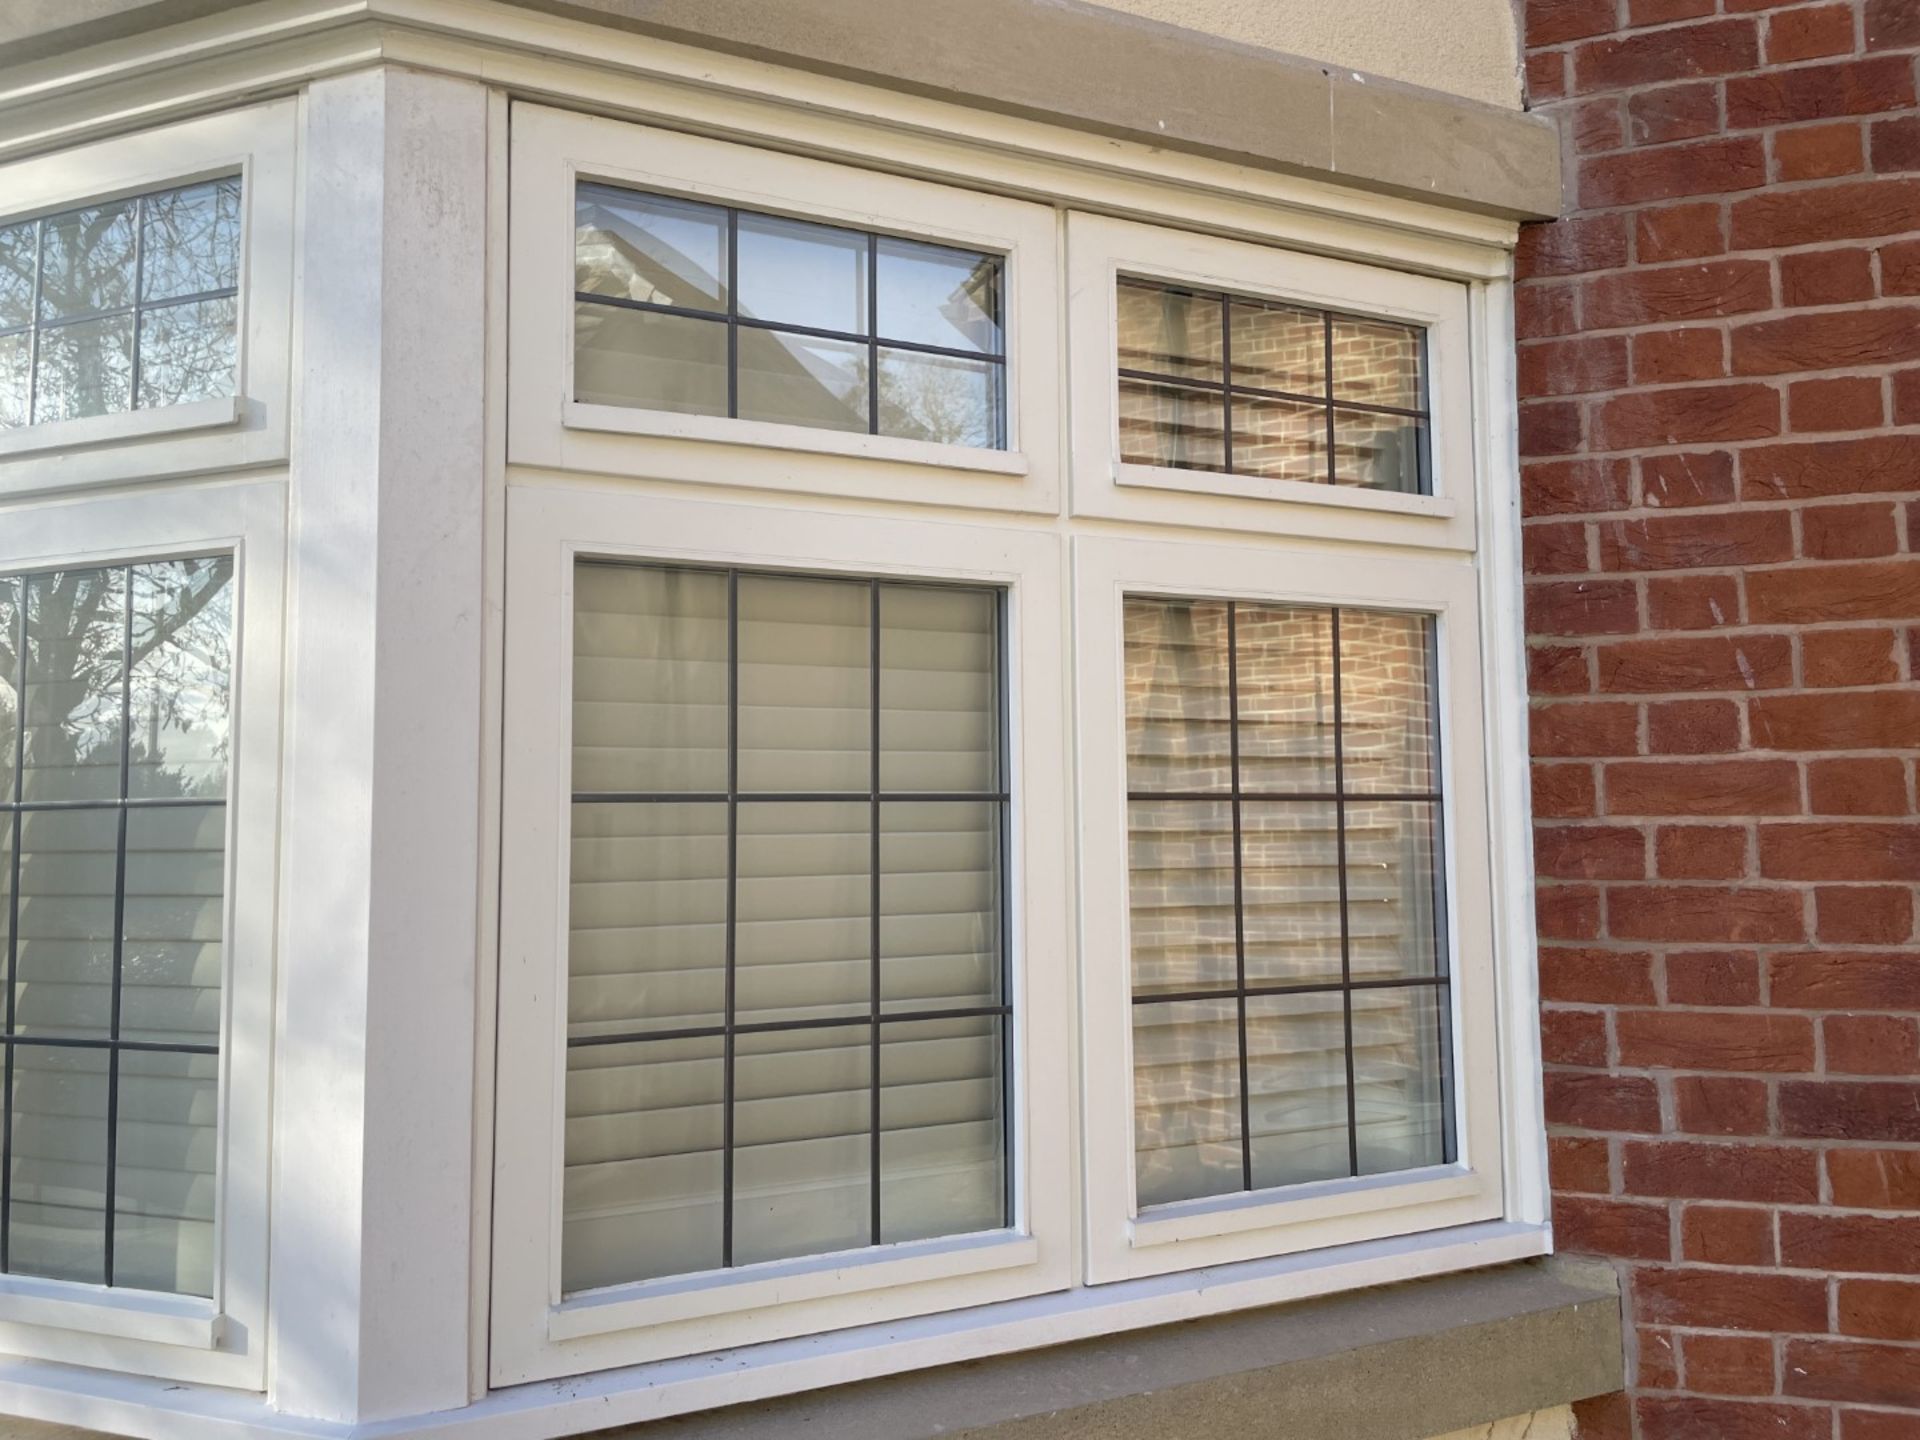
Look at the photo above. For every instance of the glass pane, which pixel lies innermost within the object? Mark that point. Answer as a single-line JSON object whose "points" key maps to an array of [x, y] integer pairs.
{"points": [[192, 240], [642, 1188], [85, 368], [86, 260], [1279, 347], [932, 295], [1399, 1077], [938, 683], [16, 362], [1169, 332], [806, 687], [165, 1172], [1389, 719], [1186, 1100], [796, 380], [19, 254], [1297, 1088], [941, 1129], [794, 273], [649, 679], [1393, 902], [174, 913], [1279, 439], [182, 678], [649, 362], [1178, 724], [1180, 895], [647, 918], [7, 823], [1284, 655], [649, 248], [187, 352], [1171, 426], [57, 1222], [76, 642], [1379, 452], [1377, 363], [803, 906], [10, 616], [939, 905], [802, 1135], [68, 859], [941, 399], [1290, 892]]}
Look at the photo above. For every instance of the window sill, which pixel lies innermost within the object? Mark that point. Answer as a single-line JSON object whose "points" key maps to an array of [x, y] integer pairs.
{"points": [[122, 426], [765, 435], [1295, 492], [182, 1320]]}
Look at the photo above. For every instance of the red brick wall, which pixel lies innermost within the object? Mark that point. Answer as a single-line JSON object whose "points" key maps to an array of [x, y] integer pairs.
{"points": [[1720, 377]]}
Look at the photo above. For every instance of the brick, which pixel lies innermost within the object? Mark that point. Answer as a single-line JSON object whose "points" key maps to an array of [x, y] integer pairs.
{"points": [[1668, 357], [1672, 172], [1540, 310], [1690, 52], [1702, 662], [1874, 1179], [1727, 1235], [1554, 549], [1714, 787], [1828, 341], [1554, 22], [1713, 977], [1663, 12], [1871, 1044], [1894, 145], [1694, 602], [1596, 977], [1589, 1101], [1676, 481], [1674, 112], [1658, 1364], [1673, 293], [1577, 1163], [1809, 34], [1809, 594], [1716, 1040], [1840, 850], [1687, 415], [1678, 542], [1591, 852], [1831, 658], [1567, 912], [1823, 980], [1572, 366], [1848, 403], [1700, 852], [1685, 1417], [1582, 607], [1575, 487], [1596, 125], [1817, 92], [1906, 398], [1588, 728], [1679, 232], [1546, 76], [1865, 1374], [1728, 1364], [1877, 1425], [1857, 1243], [1848, 532], [1693, 914], [1818, 152], [1826, 277], [1621, 1228], [1571, 247], [1867, 785], [1900, 268], [1876, 465], [1549, 427], [1721, 1105], [1822, 214], [1879, 1309], [1573, 1037], [1863, 914], [1880, 720], [1854, 1110], [1891, 25], [1557, 670], [1728, 1299], [1563, 792]]}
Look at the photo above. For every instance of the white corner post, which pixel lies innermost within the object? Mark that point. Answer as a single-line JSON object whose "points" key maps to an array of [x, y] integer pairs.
{"points": [[373, 1107]]}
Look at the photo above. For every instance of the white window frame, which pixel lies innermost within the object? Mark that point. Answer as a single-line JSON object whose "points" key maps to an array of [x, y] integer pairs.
{"points": [[554, 150], [250, 426], [538, 1334], [221, 1340], [1101, 250], [1122, 1240]]}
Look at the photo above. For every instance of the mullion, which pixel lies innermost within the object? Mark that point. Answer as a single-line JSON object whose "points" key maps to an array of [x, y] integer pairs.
{"points": [[1333, 475], [124, 802], [109, 1205], [747, 322], [1189, 382], [1226, 459], [872, 338], [13, 890], [749, 1027], [1301, 796], [33, 397], [727, 1043], [873, 879], [133, 403], [733, 328], [1330, 987], [1346, 936], [779, 797], [1239, 900]]}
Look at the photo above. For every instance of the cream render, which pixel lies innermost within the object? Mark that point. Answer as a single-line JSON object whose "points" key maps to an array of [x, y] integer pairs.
{"points": [[1460, 47]]}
